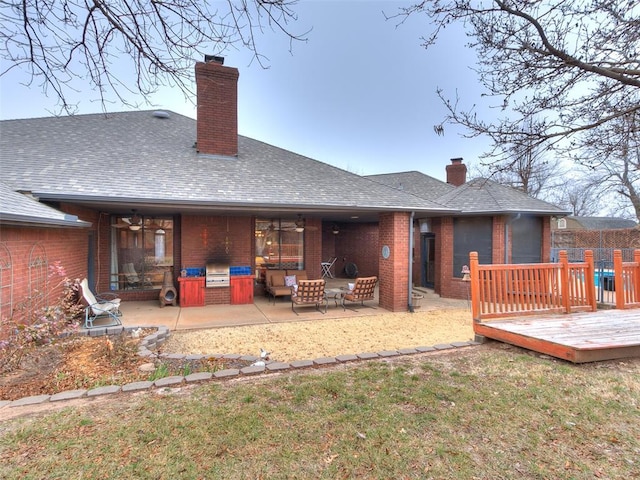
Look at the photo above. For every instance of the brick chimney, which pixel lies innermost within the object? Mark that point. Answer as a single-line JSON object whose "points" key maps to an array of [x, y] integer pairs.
{"points": [[456, 172], [217, 123]]}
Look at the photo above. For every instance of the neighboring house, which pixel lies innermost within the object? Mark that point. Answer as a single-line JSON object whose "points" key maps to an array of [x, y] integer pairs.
{"points": [[600, 234], [572, 222], [149, 192]]}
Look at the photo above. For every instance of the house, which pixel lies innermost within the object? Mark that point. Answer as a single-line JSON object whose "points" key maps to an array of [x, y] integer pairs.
{"points": [[155, 194], [599, 234], [573, 222]]}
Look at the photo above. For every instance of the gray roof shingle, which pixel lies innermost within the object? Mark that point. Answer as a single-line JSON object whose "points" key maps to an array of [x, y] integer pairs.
{"points": [[17, 208], [604, 223], [138, 157], [483, 196], [416, 183], [479, 196]]}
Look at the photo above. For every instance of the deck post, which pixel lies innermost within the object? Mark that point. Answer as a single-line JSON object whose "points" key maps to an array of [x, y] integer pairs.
{"points": [[589, 281], [618, 284], [636, 274], [475, 286], [564, 281]]}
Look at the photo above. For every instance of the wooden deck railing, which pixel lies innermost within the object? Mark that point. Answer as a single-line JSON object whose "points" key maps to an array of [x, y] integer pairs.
{"points": [[509, 290], [626, 280]]}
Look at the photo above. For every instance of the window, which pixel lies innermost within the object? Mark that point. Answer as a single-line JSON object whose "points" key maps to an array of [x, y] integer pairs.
{"points": [[278, 245], [141, 251], [471, 235], [526, 240]]}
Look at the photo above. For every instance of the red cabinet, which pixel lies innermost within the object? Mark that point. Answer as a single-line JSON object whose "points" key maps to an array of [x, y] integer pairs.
{"points": [[241, 289], [191, 291]]}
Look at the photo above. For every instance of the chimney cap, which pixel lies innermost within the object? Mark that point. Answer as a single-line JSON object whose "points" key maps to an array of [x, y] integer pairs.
{"points": [[456, 160], [214, 58]]}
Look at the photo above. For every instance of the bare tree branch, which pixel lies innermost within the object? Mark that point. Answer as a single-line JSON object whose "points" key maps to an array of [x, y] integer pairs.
{"points": [[64, 43], [572, 66]]}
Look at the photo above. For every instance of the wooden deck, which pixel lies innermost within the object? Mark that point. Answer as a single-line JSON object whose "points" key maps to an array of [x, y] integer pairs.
{"points": [[576, 337]]}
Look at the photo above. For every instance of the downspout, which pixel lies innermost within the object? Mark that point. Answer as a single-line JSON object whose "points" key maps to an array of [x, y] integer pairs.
{"points": [[506, 237], [410, 300]]}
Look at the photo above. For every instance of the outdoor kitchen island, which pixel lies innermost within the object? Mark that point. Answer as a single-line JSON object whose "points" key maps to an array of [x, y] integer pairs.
{"points": [[233, 285]]}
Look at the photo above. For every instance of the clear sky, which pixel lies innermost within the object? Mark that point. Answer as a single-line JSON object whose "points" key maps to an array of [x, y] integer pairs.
{"points": [[360, 94]]}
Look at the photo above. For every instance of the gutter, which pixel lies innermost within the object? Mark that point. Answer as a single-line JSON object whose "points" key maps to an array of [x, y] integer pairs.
{"points": [[410, 294], [71, 221]]}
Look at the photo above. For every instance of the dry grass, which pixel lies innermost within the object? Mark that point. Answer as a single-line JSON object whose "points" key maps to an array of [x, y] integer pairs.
{"points": [[321, 338]]}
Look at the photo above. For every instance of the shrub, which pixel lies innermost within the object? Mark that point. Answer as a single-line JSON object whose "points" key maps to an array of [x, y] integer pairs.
{"points": [[29, 328]]}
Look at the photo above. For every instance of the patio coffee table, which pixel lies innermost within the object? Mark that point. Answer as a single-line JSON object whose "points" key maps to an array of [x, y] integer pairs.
{"points": [[334, 293]]}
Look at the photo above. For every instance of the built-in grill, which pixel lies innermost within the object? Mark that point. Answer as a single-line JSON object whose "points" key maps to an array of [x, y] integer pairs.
{"points": [[217, 275]]}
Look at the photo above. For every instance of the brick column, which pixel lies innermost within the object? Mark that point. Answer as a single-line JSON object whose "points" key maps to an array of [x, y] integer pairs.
{"points": [[394, 271], [313, 247]]}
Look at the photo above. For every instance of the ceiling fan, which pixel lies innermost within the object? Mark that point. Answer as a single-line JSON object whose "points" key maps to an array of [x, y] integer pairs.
{"points": [[133, 222], [283, 225], [288, 225]]}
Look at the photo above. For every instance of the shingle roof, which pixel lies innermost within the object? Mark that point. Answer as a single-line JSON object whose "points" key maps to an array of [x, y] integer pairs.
{"points": [[16, 208], [138, 157], [416, 183], [604, 223], [479, 196], [483, 196]]}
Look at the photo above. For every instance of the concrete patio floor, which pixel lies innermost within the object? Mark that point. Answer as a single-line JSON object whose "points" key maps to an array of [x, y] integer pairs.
{"points": [[262, 311]]}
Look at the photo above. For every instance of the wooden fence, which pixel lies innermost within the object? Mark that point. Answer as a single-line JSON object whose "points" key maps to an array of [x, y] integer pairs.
{"points": [[508, 290], [626, 276], [526, 289]]}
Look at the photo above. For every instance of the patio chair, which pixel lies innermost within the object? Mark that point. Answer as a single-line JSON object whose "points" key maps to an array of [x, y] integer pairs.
{"points": [[105, 305], [326, 267], [300, 274], [276, 286], [362, 291], [309, 292]]}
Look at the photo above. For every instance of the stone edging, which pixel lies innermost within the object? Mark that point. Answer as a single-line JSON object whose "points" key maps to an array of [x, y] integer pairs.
{"points": [[157, 339]]}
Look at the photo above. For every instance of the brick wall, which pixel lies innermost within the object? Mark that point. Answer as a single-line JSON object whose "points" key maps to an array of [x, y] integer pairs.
{"points": [[619, 238], [394, 271], [456, 172], [313, 237], [20, 245], [218, 239], [546, 240], [217, 123], [356, 243], [498, 240], [329, 240]]}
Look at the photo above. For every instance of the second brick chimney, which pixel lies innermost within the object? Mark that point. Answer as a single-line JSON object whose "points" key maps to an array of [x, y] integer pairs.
{"points": [[456, 172], [217, 123]]}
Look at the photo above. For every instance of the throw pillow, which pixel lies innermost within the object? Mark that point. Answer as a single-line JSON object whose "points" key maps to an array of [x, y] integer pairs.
{"points": [[290, 280]]}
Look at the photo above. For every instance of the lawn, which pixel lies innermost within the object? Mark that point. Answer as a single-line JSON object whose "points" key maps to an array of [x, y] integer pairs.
{"points": [[485, 412]]}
